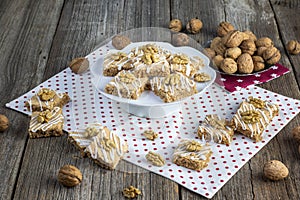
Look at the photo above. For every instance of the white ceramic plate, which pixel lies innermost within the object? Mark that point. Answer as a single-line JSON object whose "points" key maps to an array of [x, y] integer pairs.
{"points": [[148, 104]]}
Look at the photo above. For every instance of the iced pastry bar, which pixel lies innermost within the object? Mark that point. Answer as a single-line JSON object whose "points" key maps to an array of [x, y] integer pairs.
{"points": [[173, 87], [192, 154], [215, 129], [46, 123]]}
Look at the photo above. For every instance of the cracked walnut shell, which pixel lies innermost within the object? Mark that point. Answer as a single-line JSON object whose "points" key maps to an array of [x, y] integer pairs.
{"points": [[228, 65], [233, 39], [245, 63], [271, 55], [224, 28], [4, 123], [194, 25], [120, 41], [180, 39], [275, 170], [293, 47], [79, 65], [175, 25], [69, 176]]}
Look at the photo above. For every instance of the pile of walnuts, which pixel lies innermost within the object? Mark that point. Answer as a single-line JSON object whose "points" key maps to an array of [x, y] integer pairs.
{"points": [[235, 51]]}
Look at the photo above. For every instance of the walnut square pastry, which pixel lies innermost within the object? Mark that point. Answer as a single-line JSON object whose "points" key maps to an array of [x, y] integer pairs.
{"points": [[173, 87], [252, 118], [46, 123], [215, 129], [107, 149], [47, 99], [191, 154], [126, 85], [82, 138]]}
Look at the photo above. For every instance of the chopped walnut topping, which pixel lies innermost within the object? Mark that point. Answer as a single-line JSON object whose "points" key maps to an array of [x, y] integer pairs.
{"points": [[118, 56], [44, 117], [155, 159], [46, 94], [193, 146], [131, 192], [202, 77], [150, 48], [258, 103], [150, 134], [251, 116], [150, 58], [180, 59], [108, 144], [126, 77]]}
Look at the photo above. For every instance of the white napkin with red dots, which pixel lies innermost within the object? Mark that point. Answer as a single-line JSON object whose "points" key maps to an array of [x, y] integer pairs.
{"points": [[88, 106]]}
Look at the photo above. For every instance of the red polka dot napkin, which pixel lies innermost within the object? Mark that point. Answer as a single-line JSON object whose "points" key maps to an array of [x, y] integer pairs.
{"points": [[88, 106], [233, 83]]}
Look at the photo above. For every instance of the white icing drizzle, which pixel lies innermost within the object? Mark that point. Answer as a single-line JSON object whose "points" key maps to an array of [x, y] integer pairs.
{"points": [[181, 151], [57, 118]]}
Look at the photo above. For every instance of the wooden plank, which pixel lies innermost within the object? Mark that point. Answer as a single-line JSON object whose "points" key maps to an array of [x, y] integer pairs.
{"points": [[25, 40], [82, 26]]}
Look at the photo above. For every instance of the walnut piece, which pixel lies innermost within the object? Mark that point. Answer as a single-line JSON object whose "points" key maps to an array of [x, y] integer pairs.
{"points": [[126, 77], [251, 116], [258, 103], [79, 65], [248, 46], [180, 39], [194, 25], [245, 63], [224, 28], [233, 39], [271, 55], [296, 134], [193, 146], [149, 58], [233, 53], [4, 123], [155, 159], [264, 42], [275, 170], [293, 47], [175, 25], [46, 94], [150, 135], [202, 77], [69, 176], [258, 62], [131, 192], [180, 59], [120, 41], [44, 117], [228, 65]]}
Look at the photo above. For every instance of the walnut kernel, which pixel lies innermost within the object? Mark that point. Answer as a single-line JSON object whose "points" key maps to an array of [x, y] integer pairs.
{"points": [[79, 65], [275, 170], [258, 103], [155, 159], [202, 77], [4, 123], [245, 63], [69, 176], [175, 25], [224, 28], [293, 47], [193, 146], [251, 116], [180, 39], [120, 41], [46, 94], [131, 192], [228, 65], [150, 135], [194, 25]]}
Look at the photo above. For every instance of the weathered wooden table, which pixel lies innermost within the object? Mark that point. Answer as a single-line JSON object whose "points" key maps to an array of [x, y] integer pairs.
{"points": [[39, 38]]}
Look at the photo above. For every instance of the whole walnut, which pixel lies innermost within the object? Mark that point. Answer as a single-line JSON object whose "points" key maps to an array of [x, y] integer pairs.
{"points": [[180, 39], [233, 39], [249, 35], [275, 170], [4, 123], [217, 60], [69, 176], [224, 28], [79, 65], [210, 52], [194, 25], [260, 51], [218, 46], [258, 62], [120, 41], [233, 53], [264, 42], [245, 63], [296, 134], [228, 65], [293, 47], [271, 55], [248, 46], [175, 25]]}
